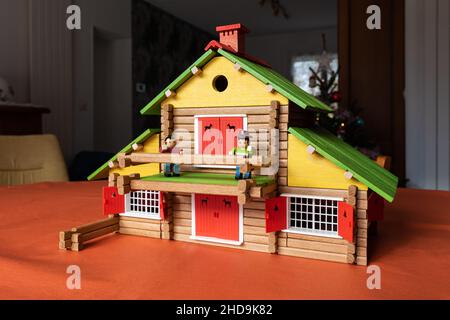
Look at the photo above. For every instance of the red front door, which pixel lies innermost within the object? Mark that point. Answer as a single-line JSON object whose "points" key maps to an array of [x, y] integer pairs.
{"points": [[217, 217]]}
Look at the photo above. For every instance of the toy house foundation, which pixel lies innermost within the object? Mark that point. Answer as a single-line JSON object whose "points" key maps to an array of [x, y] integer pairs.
{"points": [[310, 195]]}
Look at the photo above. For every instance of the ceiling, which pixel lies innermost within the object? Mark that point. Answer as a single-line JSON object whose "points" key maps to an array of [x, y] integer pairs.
{"points": [[206, 14]]}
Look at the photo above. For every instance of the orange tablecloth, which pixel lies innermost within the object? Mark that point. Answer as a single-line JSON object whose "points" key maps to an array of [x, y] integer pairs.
{"points": [[412, 250]]}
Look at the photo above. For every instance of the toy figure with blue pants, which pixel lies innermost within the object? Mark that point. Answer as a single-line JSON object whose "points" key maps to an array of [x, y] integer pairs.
{"points": [[244, 150]]}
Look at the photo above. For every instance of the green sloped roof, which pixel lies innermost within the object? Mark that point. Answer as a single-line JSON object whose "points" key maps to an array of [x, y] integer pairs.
{"points": [[348, 158], [278, 82], [263, 74], [103, 170], [154, 106]]}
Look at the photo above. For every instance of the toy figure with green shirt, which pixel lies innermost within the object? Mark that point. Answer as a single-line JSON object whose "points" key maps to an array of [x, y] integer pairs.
{"points": [[244, 150]]}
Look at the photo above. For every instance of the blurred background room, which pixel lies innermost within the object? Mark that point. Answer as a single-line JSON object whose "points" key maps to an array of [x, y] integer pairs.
{"points": [[70, 99]]}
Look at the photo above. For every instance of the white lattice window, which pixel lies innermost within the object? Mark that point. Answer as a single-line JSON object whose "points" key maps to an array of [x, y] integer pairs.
{"points": [[143, 204], [313, 215]]}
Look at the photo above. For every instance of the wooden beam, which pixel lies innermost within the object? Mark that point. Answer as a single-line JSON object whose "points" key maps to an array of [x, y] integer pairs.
{"points": [[192, 159], [184, 187]]}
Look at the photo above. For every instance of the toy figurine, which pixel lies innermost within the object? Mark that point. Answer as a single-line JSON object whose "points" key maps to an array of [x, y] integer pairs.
{"points": [[245, 150], [171, 169]]}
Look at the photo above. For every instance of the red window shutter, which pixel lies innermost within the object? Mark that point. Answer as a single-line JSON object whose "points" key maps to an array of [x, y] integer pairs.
{"points": [[113, 202], [210, 140], [162, 205], [276, 214], [375, 211], [230, 127], [345, 221]]}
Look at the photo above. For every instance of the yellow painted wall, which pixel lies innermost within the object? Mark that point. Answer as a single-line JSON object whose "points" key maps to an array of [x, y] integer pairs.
{"points": [[151, 145], [243, 89], [314, 171]]}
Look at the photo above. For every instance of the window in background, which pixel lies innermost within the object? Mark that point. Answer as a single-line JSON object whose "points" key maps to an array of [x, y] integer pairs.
{"points": [[301, 72]]}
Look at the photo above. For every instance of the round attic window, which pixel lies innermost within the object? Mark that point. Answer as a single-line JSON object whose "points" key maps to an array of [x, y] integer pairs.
{"points": [[220, 83]]}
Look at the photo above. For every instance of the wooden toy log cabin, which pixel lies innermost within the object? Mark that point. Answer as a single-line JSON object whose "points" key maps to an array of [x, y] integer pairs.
{"points": [[310, 195]]}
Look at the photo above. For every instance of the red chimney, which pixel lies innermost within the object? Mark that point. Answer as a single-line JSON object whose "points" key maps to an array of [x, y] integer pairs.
{"points": [[233, 35]]}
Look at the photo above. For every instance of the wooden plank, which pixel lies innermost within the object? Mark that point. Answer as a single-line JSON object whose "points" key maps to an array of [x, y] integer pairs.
{"points": [[140, 225], [361, 214], [259, 119], [182, 206], [362, 223], [361, 261], [327, 256], [282, 242], [182, 199], [83, 237], [183, 120], [256, 230], [184, 187], [361, 242], [96, 225], [222, 110], [317, 246], [313, 192], [361, 252], [140, 232], [255, 238], [362, 204], [254, 213], [185, 127], [315, 238], [195, 159], [282, 172], [182, 222], [256, 205], [182, 214], [282, 181], [182, 229], [143, 220], [254, 222]]}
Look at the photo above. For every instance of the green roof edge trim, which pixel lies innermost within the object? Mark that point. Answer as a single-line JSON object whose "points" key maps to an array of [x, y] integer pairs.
{"points": [[149, 108], [141, 138], [278, 82], [365, 170]]}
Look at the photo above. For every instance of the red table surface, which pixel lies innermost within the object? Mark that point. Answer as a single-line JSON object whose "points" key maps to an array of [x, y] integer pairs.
{"points": [[412, 249]]}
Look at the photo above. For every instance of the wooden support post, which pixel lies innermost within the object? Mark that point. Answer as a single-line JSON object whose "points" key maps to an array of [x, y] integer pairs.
{"points": [[166, 121], [124, 161], [273, 239]]}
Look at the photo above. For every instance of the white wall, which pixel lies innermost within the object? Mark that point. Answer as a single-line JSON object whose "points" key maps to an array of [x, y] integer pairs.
{"points": [[113, 18], [279, 49], [14, 57], [427, 94]]}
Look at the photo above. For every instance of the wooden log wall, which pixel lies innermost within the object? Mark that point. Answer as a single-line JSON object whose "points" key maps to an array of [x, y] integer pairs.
{"points": [[140, 227], [362, 227], [330, 249]]}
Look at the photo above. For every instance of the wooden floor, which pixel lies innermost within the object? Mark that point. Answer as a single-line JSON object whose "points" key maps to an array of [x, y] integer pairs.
{"points": [[411, 250]]}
